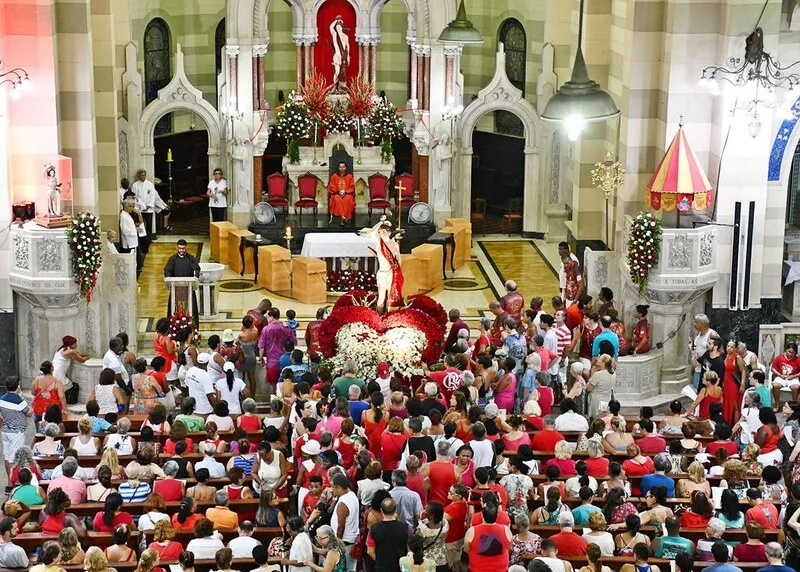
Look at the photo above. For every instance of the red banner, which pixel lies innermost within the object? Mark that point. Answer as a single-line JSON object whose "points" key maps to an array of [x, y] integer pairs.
{"points": [[324, 50]]}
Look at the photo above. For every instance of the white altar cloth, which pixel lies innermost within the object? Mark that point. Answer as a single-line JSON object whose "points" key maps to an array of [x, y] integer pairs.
{"points": [[336, 245]]}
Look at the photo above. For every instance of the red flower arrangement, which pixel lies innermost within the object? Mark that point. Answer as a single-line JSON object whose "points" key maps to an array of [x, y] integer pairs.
{"points": [[179, 320], [360, 92], [347, 280], [315, 96]]}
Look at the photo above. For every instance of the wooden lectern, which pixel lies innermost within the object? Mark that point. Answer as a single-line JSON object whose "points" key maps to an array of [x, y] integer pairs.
{"points": [[183, 291]]}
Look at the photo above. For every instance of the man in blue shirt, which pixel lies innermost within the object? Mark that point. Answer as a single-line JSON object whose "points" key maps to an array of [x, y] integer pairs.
{"points": [[659, 478], [605, 334], [720, 552]]}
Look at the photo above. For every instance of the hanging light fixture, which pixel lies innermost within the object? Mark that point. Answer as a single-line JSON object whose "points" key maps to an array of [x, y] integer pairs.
{"points": [[17, 78], [580, 100], [461, 30]]}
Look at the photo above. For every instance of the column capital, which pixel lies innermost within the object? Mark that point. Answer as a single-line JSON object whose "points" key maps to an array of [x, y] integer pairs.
{"points": [[260, 50], [368, 39], [304, 40], [232, 51], [422, 50], [453, 50]]}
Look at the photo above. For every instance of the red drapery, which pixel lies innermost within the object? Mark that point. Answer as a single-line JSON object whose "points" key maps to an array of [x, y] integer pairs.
{"points": [[323, 50]]}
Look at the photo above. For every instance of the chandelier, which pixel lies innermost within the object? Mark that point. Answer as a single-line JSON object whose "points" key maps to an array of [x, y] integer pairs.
{"points": [[755, 79], [17, 78]]}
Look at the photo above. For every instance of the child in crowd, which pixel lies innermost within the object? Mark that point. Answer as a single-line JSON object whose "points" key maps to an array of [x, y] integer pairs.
{"points": [[99, 425], [291, 321]]}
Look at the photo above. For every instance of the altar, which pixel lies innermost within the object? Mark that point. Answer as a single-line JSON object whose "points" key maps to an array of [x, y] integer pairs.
{"points": [[362, 162], [340, 250]]}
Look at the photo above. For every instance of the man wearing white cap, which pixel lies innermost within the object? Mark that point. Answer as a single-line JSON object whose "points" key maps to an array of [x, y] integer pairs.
{"points": [[200, 385]]}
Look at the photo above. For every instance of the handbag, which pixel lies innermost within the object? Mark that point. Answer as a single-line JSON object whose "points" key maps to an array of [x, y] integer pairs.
{"points": [[357, 550]]}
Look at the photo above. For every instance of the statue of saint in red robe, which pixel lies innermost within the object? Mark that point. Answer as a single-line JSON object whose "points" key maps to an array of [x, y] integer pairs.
{"points": [[342, 195]]}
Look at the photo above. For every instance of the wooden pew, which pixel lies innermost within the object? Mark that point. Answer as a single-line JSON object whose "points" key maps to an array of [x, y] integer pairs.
{"points": [[30, 541], [94, 460], [693, 534], [196, 436], [90, 509]]}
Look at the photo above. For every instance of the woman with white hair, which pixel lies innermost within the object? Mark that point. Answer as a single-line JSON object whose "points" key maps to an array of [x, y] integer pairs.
{"points": [[576, 385], [468, 381], [699, 345]]}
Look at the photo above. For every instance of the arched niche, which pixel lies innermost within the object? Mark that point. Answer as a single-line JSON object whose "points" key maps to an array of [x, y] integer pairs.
{"points": [[178, 95], [500, 94]]}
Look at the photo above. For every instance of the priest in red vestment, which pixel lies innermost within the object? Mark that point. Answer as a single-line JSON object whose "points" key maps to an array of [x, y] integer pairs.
{"points": [[342, 195]]}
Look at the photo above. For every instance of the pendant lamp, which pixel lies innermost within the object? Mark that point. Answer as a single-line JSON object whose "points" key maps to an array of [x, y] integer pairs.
{"points": [[461, 30]]}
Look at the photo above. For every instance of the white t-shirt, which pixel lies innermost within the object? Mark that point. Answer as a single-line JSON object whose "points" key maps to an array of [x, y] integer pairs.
{"points": [[200, 386], [217, 198], [112, 361], [301, 551], [231, 396], [242, 546], [571, 421], [204, 548], [148, 521], [482, 453]]}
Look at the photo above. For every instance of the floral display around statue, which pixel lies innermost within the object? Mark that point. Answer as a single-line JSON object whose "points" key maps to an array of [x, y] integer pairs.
{"points": [[347, 280], [86, 256], [644, 245], [403, 338], [360, 95], [180, 320], [293, 122], [340, 119]]}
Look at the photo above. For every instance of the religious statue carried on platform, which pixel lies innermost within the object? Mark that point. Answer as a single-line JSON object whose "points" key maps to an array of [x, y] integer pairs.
{"points": [[53, 189], [390, 273], [342, 195], [341, 54]]}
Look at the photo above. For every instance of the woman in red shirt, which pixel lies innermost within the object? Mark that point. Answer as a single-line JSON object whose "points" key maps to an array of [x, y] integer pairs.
{"points": [[111, 515], [186, 516], [769, 433], [163, 543], [374, 420], [700, 512], [484, 341], [456, 515], [177, 433], [487, 544], [563, 459], [393, 441], [637, 466], [170, 488], [596, 464]]}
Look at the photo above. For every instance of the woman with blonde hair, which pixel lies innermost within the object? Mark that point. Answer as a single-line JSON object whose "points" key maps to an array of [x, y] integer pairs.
{"points": [[734, 477], [696, 482], [84, 443], [711, 392], [601, 385], [618, 440], [750, 456], [71, 551], [96, 561], [148, 560], [599, 535], [563, 459], [110, 459]]}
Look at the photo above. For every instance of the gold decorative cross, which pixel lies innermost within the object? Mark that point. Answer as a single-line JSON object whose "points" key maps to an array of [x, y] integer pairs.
{"points": [[399, 188]]}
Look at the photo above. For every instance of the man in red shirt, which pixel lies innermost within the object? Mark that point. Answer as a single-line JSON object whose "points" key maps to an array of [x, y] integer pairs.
{"points": [[786, 373], [546, 440], [499, 323], [650, 444], [764, 513], [567, 542], [513, 302], [448, 380], [575, 312], [458, 324]]}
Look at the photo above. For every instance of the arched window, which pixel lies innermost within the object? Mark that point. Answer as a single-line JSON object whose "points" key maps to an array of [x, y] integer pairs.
{"points": [[219, 47], [512, 35], [157, 66]]}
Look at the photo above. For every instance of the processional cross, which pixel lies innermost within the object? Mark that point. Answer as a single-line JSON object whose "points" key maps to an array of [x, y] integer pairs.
{"points": [[399, 188]]}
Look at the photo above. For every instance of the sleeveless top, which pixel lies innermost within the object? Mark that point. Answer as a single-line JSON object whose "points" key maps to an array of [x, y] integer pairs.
{"points": [[489, 548], [88, 448], [234, 491], [553, 518], [250, 422], [771, 442], [244, 463], [215, 371], [45, 397], [270, 473], [160, 346], [705, 405], [60, 368], [104, 394], [54, 524]]}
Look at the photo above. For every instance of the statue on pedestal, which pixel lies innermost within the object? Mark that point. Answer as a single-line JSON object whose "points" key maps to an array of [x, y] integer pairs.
{"points": [[390, 273], [53, 189], [341, 54]]}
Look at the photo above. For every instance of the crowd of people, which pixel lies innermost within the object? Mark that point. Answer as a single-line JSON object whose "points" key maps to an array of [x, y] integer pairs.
{"points": [[510, 454]]}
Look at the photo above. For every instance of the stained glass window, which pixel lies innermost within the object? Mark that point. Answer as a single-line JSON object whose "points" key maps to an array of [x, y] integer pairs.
{"points": [[157, 66], [219, 47], [512, 35]]}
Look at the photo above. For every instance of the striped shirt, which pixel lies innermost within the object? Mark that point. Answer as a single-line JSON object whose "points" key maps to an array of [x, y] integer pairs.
{"points": [[14, 410], [564, 338], [136, 493], [244, 463]]}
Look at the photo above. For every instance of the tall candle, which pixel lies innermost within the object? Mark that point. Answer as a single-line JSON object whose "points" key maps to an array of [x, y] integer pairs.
{"points": [[169, 154], [288, 232]]}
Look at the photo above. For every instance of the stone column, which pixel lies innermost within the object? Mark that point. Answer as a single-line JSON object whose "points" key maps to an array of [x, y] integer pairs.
{"points": [[308, 60], [423, 54], [233, 75], [259, 94], [451, 55], [299, 50], [373, 58], [413, 99]]}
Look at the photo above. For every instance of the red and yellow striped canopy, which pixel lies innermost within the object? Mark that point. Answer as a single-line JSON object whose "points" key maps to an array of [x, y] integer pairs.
{"points": [[679, 181]]}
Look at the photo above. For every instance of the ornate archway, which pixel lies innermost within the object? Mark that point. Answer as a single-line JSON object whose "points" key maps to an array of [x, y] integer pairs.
{"points": [[178, 95], [500, 94]]}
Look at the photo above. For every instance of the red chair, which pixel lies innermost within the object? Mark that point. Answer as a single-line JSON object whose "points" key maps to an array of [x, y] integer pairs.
{"points": [[378, 189], [407, 196], [277, 184], [307, 191]]}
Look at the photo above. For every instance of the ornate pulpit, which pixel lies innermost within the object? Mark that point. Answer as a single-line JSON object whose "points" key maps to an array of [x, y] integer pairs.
{"points": [[182, 292]]}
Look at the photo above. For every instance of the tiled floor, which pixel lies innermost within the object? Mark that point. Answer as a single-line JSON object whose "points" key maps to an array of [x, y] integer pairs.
{"points": [[495, 259]]}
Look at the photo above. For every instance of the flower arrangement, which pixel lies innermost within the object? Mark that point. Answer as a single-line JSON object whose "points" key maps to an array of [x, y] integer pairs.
{"points": [[360, 94], [384, 123], [315, 97], [644, 245], [83, 237], [340, 119], [293, 120], [404, 338], [346, 280], [179, 320]]}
